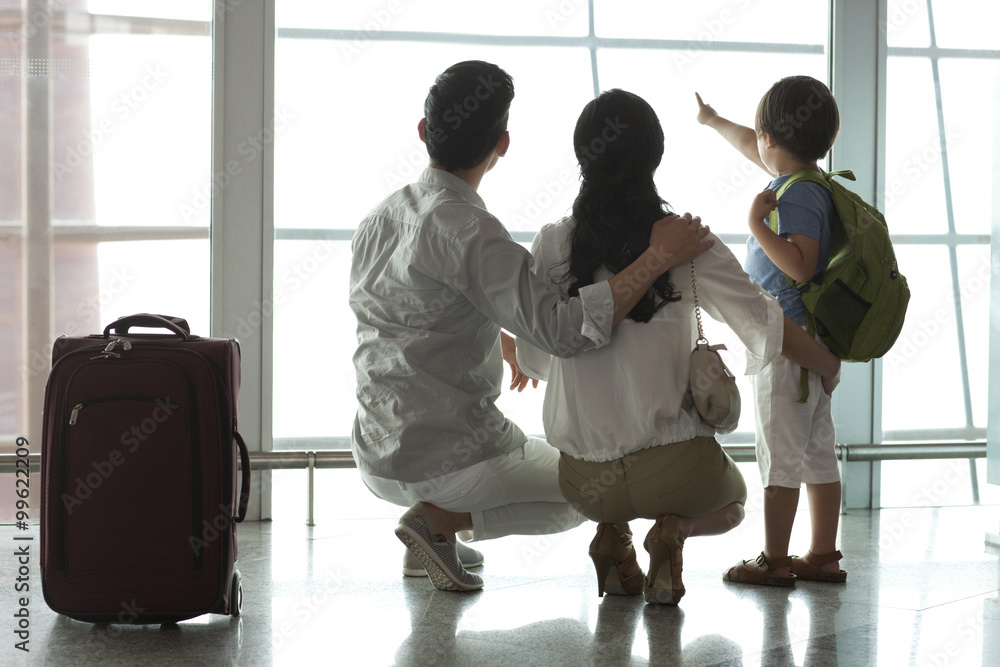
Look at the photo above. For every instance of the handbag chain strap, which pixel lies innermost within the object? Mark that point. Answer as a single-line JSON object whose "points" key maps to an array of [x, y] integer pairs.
{"points": [[697, 308]]}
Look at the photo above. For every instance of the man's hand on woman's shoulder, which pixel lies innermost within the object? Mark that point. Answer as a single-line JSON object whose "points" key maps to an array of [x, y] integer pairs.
{"points": [[676, 240]]}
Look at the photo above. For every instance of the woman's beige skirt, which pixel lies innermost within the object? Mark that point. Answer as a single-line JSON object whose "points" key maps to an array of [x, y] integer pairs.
{"points": [[691, 478]]}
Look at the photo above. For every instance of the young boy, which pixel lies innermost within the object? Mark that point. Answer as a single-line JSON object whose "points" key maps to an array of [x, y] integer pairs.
{"points": [[796, 123]]}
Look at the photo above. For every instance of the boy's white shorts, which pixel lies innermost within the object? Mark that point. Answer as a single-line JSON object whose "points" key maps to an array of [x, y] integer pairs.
{"points": [[795, 441]]}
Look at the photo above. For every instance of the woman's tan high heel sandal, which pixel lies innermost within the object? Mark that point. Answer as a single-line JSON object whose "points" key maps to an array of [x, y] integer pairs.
{"points": [[612, 574], [663, 543]]}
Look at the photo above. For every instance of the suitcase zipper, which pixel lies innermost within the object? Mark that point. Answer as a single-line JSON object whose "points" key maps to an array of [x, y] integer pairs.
{"points": [[74, 415], [109, 350]]}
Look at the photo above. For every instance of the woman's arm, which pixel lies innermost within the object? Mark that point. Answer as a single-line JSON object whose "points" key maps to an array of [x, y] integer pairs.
{"points": [[726, 293]]}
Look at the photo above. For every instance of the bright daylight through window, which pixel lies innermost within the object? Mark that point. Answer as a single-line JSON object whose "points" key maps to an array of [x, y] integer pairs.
{"points": [[107, 199]]}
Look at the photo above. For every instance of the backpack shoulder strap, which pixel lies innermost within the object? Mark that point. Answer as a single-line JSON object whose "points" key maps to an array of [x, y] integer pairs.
{"points": [[822, 178], [802, 175], [843, 173], [810, 175]]}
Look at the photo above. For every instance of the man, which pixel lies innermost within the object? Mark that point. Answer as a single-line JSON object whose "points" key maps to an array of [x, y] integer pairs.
{"points": [[434, 278]]}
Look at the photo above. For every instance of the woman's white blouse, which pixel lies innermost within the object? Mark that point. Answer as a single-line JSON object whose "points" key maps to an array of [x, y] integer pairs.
{"points": [[633, 393]]}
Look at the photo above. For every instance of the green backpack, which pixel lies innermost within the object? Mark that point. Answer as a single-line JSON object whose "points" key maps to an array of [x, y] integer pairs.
{"points": [[859, 306]]}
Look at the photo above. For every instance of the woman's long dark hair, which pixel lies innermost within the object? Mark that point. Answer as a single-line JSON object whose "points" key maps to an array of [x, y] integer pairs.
{"points": [[619, 144]]}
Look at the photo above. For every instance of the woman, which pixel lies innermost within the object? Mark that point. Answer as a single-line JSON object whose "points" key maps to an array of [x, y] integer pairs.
{"points": [[632, 443]]}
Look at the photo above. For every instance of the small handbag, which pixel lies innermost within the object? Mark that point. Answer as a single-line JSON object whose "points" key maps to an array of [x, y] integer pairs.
{"points": [[713, 386]]}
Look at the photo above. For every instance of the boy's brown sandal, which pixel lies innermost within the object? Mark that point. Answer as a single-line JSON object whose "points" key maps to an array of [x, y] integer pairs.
{"points": [[759, 572], [810, 567]]}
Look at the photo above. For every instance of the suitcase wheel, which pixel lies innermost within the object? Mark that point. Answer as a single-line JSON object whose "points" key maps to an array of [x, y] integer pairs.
{"points": [[236, 594]]}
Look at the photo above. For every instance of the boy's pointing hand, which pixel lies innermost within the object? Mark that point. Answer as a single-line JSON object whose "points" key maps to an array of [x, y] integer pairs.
{"points": [[705, 112]]}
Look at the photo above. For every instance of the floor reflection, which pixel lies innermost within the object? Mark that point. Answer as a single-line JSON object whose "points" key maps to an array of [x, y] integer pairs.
{"points": [[922, 589]]}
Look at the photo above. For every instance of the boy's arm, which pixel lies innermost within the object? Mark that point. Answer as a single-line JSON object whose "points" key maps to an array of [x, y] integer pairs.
{"points": [[800, 348], [797, 255], [742, 138]]}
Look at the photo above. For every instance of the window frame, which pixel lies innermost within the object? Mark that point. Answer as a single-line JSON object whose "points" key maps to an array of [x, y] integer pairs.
{"points": [[859, 87], [243, 235]]}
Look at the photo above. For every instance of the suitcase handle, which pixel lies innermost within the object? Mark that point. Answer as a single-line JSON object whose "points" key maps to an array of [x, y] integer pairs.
{"points": [[241, 513], [121, 326]]}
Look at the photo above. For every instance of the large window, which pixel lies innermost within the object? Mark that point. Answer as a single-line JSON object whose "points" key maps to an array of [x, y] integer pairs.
{"points": [[104, 198], [938, 198], [107, 194], [351, 139]]}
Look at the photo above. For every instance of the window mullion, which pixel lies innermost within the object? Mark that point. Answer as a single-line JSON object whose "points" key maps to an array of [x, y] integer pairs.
{"points": [[242, 233], [37, 211], [950, 212], [860, 92]]}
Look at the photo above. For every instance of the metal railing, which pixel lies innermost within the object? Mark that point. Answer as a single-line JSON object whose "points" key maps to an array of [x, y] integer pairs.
{"points": [[325, 460]]}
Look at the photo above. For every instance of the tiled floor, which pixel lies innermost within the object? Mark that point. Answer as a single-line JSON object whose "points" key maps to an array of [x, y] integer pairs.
{"points": [[922, 590]]}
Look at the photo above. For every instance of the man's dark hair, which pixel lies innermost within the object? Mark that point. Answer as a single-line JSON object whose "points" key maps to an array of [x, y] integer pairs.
{"points": [[465, 114], [801, 116]]}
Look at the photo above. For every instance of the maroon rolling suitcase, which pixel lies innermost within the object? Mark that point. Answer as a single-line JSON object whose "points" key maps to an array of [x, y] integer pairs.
{"points": [[139, 473]]}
